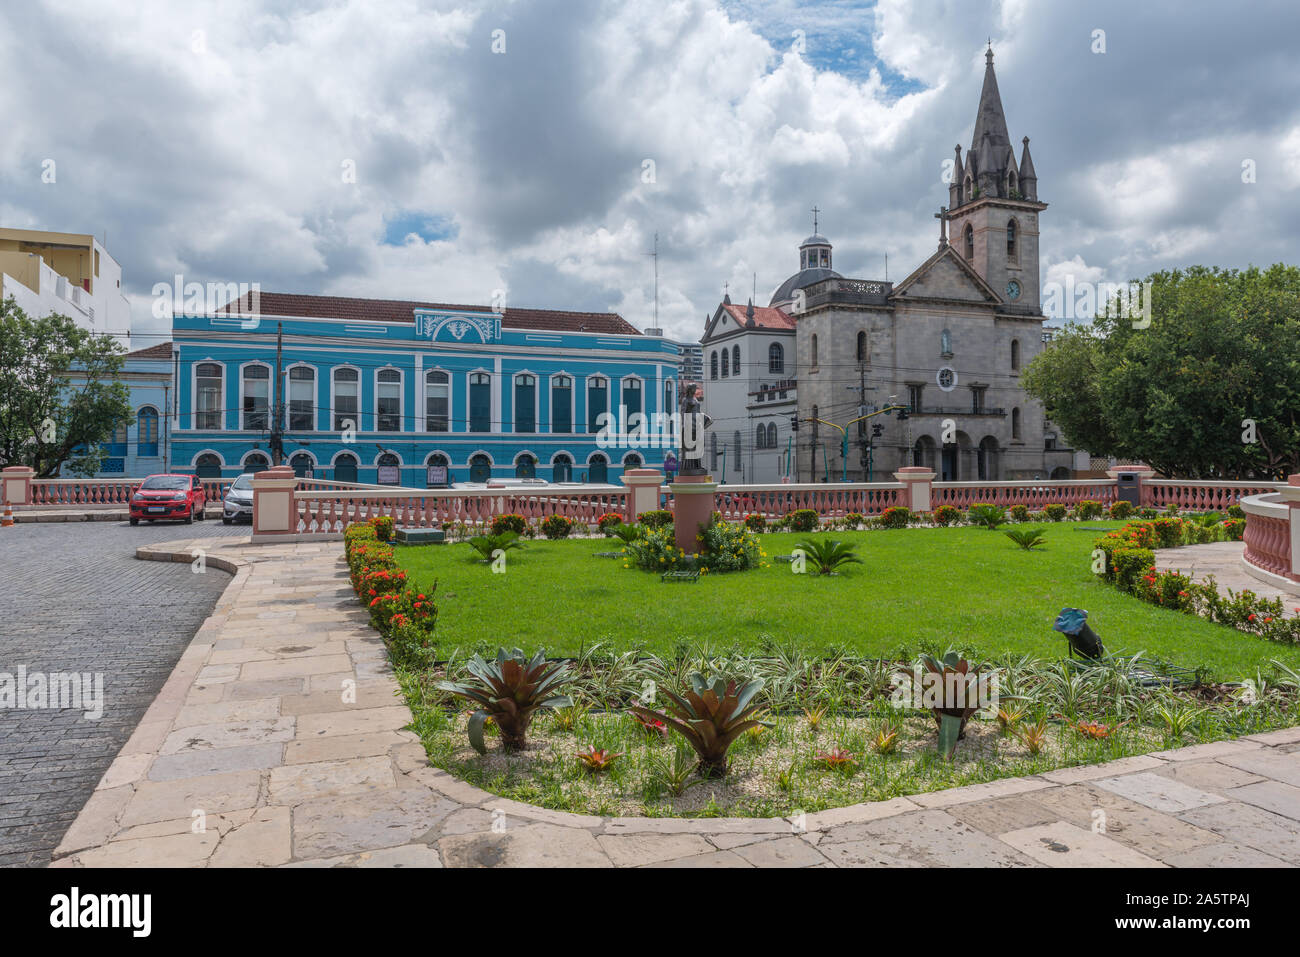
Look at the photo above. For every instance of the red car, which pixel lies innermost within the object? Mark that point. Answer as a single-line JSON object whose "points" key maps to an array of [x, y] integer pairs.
{"points": [[169, 496]]}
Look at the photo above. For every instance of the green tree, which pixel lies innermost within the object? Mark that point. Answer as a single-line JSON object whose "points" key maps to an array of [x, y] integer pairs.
{"points": [[1210, 389], [59, 393]]}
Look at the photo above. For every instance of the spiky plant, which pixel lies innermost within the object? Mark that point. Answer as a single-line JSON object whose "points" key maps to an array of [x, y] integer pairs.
{"points": [[1027, 538], [886, 740], [628, 533], [485, 545], [1033, 736], [1009, 716], [986, 515], [814, 714], [1095, 730], [837, 759], [672, 770], [568, 719], [710, 716], [596, 759], [950, 688], [827, 555], [509, 691]]}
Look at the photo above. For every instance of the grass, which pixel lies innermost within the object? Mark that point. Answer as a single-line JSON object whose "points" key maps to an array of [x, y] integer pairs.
{"points": [[921, 587]]}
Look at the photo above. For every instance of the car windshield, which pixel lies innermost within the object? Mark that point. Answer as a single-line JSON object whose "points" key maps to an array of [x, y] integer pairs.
{"points": [[244, 483], [173, 483]]}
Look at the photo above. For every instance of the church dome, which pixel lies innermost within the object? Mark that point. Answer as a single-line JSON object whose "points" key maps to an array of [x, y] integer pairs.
{"points": [[814, 266]]}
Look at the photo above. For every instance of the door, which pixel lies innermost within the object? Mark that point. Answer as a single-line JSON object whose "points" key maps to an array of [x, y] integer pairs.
{"points": [[526, 467], [563, 469], [345, 469], [949, 471], [599, 470], [480, 469]]}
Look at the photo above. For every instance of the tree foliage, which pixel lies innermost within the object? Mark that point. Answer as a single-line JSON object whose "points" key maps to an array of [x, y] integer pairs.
{"points": [[1222, 351], [59, 393]]}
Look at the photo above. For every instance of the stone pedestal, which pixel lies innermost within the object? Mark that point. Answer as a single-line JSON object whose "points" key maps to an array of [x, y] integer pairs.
{"points": [[17, 485], [693, 501], [274, 512], [642, 492], [918, 481]]}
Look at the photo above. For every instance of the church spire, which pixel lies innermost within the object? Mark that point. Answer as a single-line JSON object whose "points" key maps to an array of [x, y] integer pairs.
{"points": [[1028, 178], [990, 122]]}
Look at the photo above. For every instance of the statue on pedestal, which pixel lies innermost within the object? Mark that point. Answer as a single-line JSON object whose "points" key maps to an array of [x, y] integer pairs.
{"points": [[694, 424]]}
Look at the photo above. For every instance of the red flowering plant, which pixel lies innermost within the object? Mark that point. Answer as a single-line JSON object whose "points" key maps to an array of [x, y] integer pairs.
{"points": [[1170, 589], [608, 522]]}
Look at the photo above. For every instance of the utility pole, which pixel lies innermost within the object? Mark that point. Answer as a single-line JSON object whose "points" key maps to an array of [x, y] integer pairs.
{"points": [[277, 420], [655, 255]]}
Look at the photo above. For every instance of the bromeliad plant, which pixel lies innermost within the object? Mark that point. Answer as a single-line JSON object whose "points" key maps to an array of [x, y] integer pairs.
{"points": [[509, 691], [596, 759], [710, 716], [951, 689]]}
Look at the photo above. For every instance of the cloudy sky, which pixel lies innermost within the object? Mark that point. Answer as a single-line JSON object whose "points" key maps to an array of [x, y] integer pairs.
{"points": [[445, 150]]}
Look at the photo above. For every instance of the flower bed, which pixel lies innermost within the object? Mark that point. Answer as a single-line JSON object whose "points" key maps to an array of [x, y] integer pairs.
{"points": [[1130, 564], [403, 614]]}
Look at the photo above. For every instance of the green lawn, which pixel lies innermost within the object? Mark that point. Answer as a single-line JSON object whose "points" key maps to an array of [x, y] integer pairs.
{"points": [[965, 587]]}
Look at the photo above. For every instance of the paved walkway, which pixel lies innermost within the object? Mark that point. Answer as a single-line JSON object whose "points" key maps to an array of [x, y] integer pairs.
{"points": [[278, 741], [76, 601], [1223, 561]]}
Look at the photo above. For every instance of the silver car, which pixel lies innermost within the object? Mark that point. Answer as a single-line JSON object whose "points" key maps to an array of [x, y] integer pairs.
{"points": [[238, 503]]}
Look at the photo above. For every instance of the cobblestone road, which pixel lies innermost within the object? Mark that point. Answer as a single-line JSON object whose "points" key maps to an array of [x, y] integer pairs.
{"points": [[74, 599]]}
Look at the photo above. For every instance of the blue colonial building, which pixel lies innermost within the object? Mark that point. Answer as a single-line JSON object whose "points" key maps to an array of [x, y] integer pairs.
{"points": [[138, 446], [418, 394]]}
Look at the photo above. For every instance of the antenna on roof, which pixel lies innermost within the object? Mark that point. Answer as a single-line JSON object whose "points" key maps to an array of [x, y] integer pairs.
{"points": [[655, 254]]}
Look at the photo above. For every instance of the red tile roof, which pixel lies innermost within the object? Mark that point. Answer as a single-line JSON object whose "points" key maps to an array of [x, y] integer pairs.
{"points": [[161, 351], [396, 310], [765, 317]]}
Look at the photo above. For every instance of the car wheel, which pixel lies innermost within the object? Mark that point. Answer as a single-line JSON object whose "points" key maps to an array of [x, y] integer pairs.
{"points": [[189, 517], [227, 521], [134, 521]]}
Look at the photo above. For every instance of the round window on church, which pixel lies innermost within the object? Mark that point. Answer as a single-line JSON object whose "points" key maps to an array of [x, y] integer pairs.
{"points": [[946, 378]]}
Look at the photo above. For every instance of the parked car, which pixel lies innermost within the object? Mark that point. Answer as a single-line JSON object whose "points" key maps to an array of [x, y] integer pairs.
{"points": [[169, 497], [239, 500]]}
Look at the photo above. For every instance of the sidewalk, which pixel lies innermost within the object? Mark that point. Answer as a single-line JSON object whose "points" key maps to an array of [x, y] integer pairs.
{"points": [[278, 741], [1223, 561]]}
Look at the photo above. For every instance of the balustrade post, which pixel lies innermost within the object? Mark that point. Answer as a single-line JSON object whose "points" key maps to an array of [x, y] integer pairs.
{"points": [[642, 492], [1291, 497], [918, 482], [18, 484], [275, 511]]}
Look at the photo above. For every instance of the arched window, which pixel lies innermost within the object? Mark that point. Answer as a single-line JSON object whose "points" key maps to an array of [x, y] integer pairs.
{"points": [[437, 401], [945, 343], [346, 401], [814, 350], [561, 403], [726, 363], [480, 468], [146, 433], [632, 461], [256, 397], [713, 365], [863, 351], [208, 466], [257, 462], [302, 399], [597, 401], [525, 466], [735, 443], [562, 469], [388, 400], [1015, 355], [970, 242], [389, 471], [208, 395], [1015, 423], [598, 470], [525, 404], [631, 398], [669, 407], [735, 360], [771, 435], [301, 464], [1012, 183], [969, 188], [760, 437], [713, 450], [776, 359], [480, 402], [1011, 240]]}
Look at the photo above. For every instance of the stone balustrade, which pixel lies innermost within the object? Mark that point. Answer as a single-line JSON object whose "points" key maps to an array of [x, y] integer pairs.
{"points": [[1272, 539]]}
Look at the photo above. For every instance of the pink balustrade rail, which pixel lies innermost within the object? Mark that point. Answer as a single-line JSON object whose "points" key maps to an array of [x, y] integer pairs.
{"points": [[1268, 534], [51, 493], [1201, 496], [1033, 494], [828, 500], [328, 512]]}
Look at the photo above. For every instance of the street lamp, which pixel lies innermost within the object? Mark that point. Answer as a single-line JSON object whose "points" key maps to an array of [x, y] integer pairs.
{"points": [[844, 433]]}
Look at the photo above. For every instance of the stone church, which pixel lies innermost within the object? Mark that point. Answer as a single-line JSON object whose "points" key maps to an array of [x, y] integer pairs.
{"points": [[949, 342]]}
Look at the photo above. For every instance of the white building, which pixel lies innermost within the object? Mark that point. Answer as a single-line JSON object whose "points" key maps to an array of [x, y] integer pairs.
{"points": [[67, 273], [749, 393]]}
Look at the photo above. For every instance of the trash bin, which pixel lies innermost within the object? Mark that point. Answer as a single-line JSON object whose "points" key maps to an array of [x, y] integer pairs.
{"points": [[1127, 488], [1073, 623]]}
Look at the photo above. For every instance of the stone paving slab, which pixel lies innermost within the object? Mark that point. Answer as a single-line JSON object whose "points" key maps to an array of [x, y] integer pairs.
{"points": [[281, 731]]}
